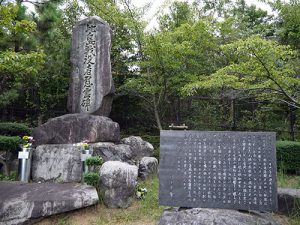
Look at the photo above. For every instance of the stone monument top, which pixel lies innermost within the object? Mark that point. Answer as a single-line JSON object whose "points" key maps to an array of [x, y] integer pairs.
{"points": [[91, 87]]}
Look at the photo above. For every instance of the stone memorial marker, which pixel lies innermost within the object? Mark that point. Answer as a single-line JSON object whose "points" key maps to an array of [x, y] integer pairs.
{"points": [[91, 88], [235, 170]]}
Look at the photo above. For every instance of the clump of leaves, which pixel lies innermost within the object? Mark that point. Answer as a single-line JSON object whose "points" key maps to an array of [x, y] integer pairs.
{"points": [[91, 178], [94, 161]]}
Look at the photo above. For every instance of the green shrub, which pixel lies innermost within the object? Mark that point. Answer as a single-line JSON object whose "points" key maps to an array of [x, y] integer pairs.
{"points": [[12, 177], [288, 156], [9, 143], [94, 161], [14, 129], [91, 178]]}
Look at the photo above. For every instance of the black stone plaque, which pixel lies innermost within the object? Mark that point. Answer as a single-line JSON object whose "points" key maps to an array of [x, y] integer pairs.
{"points": [[235, 170]]}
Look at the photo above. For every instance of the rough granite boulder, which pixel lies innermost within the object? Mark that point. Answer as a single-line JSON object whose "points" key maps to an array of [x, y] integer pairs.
{"points": [[118, 181], [139, 147], [21, 202], [147, 167], [91, 88], [60, 163], [201, 216], [288, 200], [74, 128], [112, 152]]}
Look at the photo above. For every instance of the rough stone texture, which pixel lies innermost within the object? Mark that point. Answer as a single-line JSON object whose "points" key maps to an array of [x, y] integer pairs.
{"points": [[201, 216], [118, 181], [113, 152], [91, 88], [288, 200], [73, 128], [60, 163], [147, 167], [139, 147], [21, 202]]}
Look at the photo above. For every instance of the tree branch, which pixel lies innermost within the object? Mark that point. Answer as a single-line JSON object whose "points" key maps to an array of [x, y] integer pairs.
{"points": [[272, 79]]}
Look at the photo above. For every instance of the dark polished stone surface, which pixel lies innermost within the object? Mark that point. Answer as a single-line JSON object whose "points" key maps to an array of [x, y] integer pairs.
{"points": [[234, 170]]}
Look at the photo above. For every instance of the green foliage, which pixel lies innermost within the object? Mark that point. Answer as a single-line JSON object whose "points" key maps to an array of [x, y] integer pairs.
{"points": [[94, 161], [14, 129], [12, 177], [10, 143], [256, 65], [91, 178], [288, 156], [288, 26]]}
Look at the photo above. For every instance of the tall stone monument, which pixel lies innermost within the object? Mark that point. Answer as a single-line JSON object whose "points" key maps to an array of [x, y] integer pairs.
{"points": [[91, 87]]}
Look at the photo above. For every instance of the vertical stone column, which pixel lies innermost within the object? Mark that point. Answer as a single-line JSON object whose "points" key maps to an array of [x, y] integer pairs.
{"points": [[91, 88]]}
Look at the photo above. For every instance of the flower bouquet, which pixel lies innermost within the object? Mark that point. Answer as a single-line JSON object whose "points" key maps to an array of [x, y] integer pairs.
{"points": [[27, 141]]}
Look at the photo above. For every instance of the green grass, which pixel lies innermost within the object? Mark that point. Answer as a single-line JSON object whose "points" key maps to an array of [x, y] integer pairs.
{"points": [[288, 181]]}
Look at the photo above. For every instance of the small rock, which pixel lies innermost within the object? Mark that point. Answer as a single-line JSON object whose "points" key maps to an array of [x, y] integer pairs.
{"points": [[113, 152], [59, 163], [147, 167], [74, 128], [139, 147], [288, 200], [118, 181], [22, 202], [205, 216]]}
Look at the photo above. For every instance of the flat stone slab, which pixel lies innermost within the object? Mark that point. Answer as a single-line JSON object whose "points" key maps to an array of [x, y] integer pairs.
{"points": [[218, 169], [201, 216], [21, 202], [56, 163]]}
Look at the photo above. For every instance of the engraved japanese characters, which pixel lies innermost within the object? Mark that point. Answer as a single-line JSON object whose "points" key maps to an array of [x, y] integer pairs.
{"points": [[234, 170], [91, 88]]}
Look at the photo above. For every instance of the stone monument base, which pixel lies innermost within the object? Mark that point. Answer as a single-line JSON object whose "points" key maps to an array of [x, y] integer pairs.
{"points": [[206, 216], [74, 128]]}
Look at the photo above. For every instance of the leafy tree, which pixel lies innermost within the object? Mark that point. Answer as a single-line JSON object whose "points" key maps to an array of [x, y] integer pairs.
{"points": [[257, 66], [173, 58], [18, 66]]}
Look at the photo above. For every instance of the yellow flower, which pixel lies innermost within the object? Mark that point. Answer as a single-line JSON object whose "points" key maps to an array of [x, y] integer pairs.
{"points": [[85, 146], [25, 138], [26, 146]]}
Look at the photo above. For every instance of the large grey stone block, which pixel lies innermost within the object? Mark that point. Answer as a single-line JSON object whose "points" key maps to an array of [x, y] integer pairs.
{"points": [[58, 163], [22, 202], [118, 181], [74, 128], [112, 152], [139, 147], [205, 216], [91, 89], [148, 167], [288, 201]]}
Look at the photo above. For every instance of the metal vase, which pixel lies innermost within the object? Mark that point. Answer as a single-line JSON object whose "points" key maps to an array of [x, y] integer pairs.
{"points": [[25, 164]]}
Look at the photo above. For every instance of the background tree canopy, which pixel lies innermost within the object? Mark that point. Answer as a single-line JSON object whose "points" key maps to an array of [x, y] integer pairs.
{"points": [[213, 64]]}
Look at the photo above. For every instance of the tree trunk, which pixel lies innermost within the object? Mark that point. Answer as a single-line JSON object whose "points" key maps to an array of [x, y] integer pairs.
{"points": [[5, 167], [232, 114], [156, 113], [292, 118]]}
